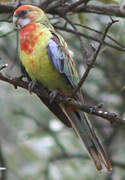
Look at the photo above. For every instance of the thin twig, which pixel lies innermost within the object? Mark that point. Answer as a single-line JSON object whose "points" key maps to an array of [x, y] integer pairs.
{"points": [[82, 157], [3, 170], [6, 34], [74, 5], [110, 10], [53, 5], [89, 37], [3, 66], [46, 128], [99, 32], [83, 50], [90, 66], [68, 156]]}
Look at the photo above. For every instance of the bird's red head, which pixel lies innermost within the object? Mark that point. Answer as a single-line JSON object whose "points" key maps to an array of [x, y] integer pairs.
{"points": [[25, 15]]}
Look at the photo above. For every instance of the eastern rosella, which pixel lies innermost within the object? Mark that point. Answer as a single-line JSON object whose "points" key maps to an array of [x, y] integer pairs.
{"points": [[47, 60]]}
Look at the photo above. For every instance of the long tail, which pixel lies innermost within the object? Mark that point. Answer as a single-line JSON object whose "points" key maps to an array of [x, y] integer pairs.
{"points": [[84, 129], [79, 121]]}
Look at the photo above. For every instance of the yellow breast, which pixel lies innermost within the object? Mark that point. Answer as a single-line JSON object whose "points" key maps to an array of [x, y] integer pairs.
{"points": [[39, 66]]}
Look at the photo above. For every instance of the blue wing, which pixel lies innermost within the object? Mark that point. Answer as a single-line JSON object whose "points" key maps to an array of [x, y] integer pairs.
{"points": [[62, 60]]}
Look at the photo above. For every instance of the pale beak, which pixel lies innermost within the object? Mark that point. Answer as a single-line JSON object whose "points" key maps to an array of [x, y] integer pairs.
{"points": [[15, 22]]}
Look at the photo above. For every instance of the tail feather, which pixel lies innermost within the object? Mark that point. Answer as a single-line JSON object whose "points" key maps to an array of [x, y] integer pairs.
{"points": [[79, 121], [88, 136]]}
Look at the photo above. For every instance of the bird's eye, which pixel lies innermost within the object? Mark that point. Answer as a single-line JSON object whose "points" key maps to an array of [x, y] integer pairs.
{"points": [[23, 12]]}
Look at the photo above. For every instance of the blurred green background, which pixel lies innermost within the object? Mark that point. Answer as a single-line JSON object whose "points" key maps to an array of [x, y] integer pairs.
{"points": [[32, 141]]}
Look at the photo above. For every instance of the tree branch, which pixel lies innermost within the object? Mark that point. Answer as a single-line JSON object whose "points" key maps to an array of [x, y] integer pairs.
{"points": [[68, 156], [45, 127], [89, 37], [92, 61], [94, 110], [111, 10], [80, 156], [99, 32]]}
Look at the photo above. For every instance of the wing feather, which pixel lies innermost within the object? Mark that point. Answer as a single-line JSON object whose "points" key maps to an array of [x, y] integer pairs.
{"points": [[62, 59]]}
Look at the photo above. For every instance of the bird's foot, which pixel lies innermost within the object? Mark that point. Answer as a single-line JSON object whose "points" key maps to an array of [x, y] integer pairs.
{"points": [[53, 95], [31, 86]]}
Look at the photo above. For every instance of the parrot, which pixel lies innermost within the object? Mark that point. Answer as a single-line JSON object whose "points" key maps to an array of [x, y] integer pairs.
{"points": [[47, 60]]}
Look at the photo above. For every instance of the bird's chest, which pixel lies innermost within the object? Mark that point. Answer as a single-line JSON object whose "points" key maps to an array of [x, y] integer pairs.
{"points": [[35, 59]]}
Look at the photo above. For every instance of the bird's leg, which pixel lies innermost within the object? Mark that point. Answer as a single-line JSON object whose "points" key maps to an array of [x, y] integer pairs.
{"points": [[53, 95], [31, 86]]}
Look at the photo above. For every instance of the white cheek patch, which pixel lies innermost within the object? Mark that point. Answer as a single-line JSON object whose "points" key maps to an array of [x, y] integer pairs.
{"points": [[14, 19], [23, 22]]}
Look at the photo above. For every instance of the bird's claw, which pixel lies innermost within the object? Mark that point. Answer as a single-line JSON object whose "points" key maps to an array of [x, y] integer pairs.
{"points": [[53, 95], [31, 86]]}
